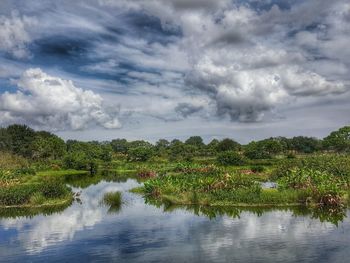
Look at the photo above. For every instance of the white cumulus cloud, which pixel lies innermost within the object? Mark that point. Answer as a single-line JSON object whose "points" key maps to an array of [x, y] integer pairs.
{"points": [[54, 103]]}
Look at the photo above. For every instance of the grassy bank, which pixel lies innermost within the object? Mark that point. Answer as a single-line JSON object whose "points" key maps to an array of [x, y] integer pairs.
{"points": [[22, 186], [317, 181]]}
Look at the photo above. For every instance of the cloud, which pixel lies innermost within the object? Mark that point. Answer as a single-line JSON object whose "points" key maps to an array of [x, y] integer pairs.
{"points": [[14, 36], [246, 94], [245, 60], [250, 61], [187, 109], [53, 103]]}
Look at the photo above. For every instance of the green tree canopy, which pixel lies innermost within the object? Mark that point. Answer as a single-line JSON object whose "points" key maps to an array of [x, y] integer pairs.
{"points": [[230, 158], [195, 141], [21, 138], [228, 145], [338, 140], [305, 144], [263, 149], [119, 145], [140, 154], [48, 146]]}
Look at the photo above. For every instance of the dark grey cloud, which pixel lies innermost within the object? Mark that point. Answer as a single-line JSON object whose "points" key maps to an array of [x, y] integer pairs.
{"points": [[187, 109], [62, 46], [195, 4]]}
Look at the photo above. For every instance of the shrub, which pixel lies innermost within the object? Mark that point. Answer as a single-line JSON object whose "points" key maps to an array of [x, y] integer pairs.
{"points": [[230, 158]]}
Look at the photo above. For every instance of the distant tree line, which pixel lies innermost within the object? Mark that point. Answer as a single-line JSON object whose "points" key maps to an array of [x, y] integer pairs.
{"points": [[42, 145]]}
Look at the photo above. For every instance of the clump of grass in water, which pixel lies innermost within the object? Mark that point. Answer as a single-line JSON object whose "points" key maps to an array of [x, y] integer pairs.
{"points": [[113, 200]]}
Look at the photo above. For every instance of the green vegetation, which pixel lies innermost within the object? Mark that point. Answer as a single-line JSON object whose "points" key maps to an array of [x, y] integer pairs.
{"points": [[321, 181], [113, 200], [21, 189], [217, 188], [230, 158], [36, 165]]}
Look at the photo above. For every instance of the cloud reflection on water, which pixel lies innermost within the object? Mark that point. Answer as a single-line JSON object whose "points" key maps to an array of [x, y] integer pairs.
{"points": [[141, 233]]}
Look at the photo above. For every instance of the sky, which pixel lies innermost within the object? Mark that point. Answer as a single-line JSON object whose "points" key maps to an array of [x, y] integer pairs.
{"points": [[150, 69]]}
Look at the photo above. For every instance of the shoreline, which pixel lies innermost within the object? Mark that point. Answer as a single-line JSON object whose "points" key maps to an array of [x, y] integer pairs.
{"points": [[48, 204]]}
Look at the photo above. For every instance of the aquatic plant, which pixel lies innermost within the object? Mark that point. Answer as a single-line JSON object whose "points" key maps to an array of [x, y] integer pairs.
{"points": [[113, 199], [325, 189]]}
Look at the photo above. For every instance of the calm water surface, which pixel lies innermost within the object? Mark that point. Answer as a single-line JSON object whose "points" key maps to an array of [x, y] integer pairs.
{"points": [[139, 232]]}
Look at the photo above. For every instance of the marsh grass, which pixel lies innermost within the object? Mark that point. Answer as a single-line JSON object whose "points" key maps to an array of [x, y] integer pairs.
{"points": [[311, 181], [20, 185], [113, 200], [37, 199]]}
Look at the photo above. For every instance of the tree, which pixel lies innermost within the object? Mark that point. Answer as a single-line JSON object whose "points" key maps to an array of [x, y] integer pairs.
{"points": [[162, 144], [305, 144], [140, 154], [272, 146], [211, 148], [91, 149], [227, 145], [21, 138], [230, 158], [48, 146], [85, 155], [161, 147], [5, 140], [139, 143], [189, 151], [338, 140], [75, 160], [195, 141], [81, 161], [120, 146], [176, 149], [263, 149], [106, 153]]}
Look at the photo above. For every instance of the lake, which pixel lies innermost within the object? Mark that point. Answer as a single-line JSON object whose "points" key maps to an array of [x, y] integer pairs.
{"points": [[139, 232]]}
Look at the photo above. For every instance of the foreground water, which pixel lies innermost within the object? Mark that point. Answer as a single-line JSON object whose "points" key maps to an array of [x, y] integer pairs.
{"points": [[138, 232]]}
